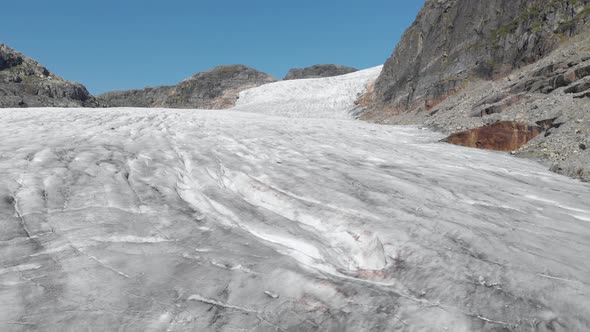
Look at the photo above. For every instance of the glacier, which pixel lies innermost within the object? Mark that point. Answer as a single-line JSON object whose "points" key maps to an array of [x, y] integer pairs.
{"points": [[283, 213]]}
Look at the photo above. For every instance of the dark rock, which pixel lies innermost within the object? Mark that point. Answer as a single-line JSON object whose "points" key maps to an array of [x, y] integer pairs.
{"points": [[527, 85], [318, 71], [582, 146], [547, 123], [549, 85], [488, 111], [26, 83], [577, 88], [582, 72], [576, 62], [559, 81], [544, 71], [217, 88], [452, 41], [498, 107], [573, 63], [545, 81], [540, 86], [148, 97], [491, 99], [500, 136]]}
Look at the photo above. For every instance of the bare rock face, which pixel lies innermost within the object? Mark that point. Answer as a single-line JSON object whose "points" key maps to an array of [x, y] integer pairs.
{"points": [[318, 71], [453, 41], [26, 83], [148, 97], [217, 88]]}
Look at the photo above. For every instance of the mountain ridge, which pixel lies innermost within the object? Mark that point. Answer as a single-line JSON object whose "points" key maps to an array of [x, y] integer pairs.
{"points": [[318, 71], [26, 83], [217, 88]]}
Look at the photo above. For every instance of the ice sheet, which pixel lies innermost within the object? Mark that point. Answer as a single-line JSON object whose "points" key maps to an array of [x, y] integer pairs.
{"points": [[175, 220]]}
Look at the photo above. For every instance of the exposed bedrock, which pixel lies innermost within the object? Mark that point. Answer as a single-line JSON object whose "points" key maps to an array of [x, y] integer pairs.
{"points": [[26, 83], [452, 41], [318, 71], [217, 88]]}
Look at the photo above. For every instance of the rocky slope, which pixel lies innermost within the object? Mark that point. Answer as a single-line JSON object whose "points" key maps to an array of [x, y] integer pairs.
{"points": [[26, 83], [453, 41], [526, 72], [550, 97], [214, 89], [148, 97], [318, 71]]}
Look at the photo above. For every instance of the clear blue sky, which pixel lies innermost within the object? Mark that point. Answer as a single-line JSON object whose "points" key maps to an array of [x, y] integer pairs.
{"points": [[123, 44]]}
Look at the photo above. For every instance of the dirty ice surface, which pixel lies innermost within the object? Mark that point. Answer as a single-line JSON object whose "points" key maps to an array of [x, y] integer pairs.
{"points": [[189, 220]]}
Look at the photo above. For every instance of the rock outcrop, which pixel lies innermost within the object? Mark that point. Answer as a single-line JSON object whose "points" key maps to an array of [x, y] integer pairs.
{"points": [[147, 97], [453, 41], [318, 71], [214, 89], [26, 83]]}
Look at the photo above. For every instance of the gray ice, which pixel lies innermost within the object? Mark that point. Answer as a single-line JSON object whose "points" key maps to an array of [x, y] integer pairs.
{"points": [[192, 220]]}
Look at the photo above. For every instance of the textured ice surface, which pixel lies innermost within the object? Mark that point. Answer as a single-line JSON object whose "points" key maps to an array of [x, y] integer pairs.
{"points": [[331, 97], [185, 220]]}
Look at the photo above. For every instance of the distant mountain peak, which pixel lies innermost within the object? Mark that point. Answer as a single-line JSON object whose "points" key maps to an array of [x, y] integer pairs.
{"points": [[217, 88], [318, 71]]}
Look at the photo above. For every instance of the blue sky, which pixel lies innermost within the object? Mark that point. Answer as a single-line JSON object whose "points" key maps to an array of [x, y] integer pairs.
{"points": [[124, 44]]}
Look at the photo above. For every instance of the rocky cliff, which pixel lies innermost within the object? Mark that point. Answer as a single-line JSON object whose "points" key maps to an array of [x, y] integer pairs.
{"points": [[26, 83], [217, 88], [318, 71], [453, 41]]}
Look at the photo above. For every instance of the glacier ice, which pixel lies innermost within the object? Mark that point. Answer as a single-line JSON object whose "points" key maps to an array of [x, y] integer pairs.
{"points": [[262, 218]]}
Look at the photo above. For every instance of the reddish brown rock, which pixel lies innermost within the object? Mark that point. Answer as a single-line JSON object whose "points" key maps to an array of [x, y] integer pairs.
{"points": [[500, 136]]}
